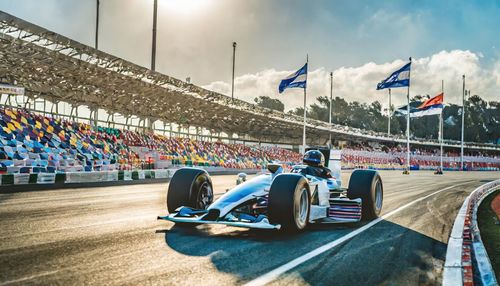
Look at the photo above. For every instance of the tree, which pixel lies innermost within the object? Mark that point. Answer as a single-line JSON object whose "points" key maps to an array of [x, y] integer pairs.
{"points": [[482, 121], [271, 103]]}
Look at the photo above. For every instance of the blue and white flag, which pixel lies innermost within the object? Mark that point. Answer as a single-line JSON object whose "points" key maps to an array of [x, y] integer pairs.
{"points": [[296, 79], [399, 78]]}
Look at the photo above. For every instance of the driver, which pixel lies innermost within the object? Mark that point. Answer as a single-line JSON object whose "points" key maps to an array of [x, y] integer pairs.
{"points": [[315, 162]]}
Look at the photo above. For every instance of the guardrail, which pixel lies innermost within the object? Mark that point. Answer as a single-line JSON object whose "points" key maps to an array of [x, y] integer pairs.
{"points": [[104, 176], [83, 177], [466, 256]]}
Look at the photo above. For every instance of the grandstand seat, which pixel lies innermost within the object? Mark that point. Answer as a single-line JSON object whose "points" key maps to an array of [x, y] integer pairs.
{"points": [[39, 170], [25, 170], [7, 163], [3, 155], [13, 169], [33, 156], [42, 163]]}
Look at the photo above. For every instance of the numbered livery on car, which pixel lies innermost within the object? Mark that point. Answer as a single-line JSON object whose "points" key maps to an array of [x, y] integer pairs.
{"points": [[308, 194]]}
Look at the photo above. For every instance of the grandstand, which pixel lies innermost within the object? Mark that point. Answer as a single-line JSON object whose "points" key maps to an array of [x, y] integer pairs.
{"points": [[33, 143], [59, 73]]}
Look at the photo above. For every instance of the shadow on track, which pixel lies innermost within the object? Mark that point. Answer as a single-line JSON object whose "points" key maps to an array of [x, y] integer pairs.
{"points": [[387, 253]]}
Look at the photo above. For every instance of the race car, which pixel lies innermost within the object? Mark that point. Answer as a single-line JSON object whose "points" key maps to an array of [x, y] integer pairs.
{"points": [[277, 200]]}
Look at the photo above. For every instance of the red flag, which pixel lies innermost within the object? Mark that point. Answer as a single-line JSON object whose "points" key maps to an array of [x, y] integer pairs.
{"points": [[438, 99]]}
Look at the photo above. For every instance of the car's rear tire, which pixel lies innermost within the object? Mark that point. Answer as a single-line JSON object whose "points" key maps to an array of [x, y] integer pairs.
{"points": [[367, 185], [289, 202], [189, 187]]}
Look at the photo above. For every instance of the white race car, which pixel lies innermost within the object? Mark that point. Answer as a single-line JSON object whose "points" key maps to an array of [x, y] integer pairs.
{"points": [[275, 200]]}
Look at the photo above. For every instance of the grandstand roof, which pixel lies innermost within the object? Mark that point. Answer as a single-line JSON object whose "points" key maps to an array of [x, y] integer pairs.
{"points": [[56, 68]]}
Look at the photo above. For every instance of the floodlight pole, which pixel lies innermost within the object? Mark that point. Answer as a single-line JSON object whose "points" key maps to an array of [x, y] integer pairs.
{"points": [[153, 47], [463, 120], [97, 26], [232, 80], [331, 103]]}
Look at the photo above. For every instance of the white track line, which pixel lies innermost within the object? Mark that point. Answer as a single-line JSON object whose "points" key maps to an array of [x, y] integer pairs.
{"points": [[28, 277], [274, 274]]}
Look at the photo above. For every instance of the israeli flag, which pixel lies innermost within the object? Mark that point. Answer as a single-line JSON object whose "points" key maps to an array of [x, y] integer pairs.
{"points": [[399, 78], [296, 79]]}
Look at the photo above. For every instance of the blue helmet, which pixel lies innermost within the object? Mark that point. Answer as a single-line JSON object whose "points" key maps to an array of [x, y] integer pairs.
{"points": [[314, 158]]}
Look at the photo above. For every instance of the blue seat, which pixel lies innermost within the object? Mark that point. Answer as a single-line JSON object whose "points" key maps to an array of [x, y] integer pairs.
{"points": [[25, 170], [39, 170], [18, 156], [7, 163], [42, 163]]}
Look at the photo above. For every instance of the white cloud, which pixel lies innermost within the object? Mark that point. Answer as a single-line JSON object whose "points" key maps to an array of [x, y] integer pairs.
{"points": [[359, 83]]}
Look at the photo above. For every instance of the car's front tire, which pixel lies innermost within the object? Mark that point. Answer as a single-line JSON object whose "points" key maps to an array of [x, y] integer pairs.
{"points": [[367, 185], [189, 187], [289, 202]]}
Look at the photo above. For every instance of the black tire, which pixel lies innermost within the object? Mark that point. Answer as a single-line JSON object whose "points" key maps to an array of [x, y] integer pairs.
{"points": [[284, 206], [366, 184], [187, 187]]}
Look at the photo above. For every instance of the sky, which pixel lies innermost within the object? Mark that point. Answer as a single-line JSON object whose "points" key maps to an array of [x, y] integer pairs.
{"points": [[361, 42]]}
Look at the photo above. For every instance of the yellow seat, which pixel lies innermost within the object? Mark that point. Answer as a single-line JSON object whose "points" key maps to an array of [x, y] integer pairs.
{"points": [[10, 114], [11, 126], [17, 124]]}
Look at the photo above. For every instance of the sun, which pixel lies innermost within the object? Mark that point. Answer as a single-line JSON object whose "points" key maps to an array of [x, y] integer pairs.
{"points": [[185, 6]]}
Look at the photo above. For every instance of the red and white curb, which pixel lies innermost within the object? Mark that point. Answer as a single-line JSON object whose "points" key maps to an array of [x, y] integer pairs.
{"points": [[466, 255]]}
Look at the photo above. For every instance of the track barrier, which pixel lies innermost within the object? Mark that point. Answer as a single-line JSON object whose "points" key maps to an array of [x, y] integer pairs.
{"points": [[466, 259], [103, 176]]}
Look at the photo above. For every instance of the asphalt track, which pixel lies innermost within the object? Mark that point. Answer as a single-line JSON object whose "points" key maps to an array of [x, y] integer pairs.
{"points": [[110, 235]]}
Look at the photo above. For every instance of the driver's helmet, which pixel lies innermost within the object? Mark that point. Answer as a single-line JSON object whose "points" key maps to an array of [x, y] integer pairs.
{"points": [[314, 158]]}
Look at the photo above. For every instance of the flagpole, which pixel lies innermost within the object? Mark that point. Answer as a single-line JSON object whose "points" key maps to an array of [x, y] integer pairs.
{"points": [[331, 102], [441, 131], [408, 121], [463, 119], [305, 88], [232, 79], [389, 117]]}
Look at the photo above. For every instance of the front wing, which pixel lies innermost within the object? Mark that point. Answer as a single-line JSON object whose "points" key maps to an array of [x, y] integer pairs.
{"points": [[263, 224], [339, 211]]}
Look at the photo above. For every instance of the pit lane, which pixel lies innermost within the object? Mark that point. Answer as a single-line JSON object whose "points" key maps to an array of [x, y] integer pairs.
{"points": [[110, 235]]}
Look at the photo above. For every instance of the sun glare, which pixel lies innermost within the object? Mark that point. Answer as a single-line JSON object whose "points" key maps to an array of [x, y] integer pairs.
{"points": [[186, 6]]}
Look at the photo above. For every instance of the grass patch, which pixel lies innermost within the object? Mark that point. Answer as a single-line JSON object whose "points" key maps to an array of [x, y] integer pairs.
{"points": [[490, 231]]}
